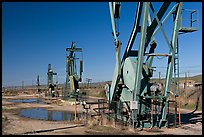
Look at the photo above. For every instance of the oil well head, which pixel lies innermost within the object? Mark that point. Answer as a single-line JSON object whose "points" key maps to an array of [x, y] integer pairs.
{"points": [[50, 82]]}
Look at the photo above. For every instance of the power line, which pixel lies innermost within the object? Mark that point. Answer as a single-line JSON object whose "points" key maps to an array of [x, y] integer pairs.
{"points": [[195, 66]]}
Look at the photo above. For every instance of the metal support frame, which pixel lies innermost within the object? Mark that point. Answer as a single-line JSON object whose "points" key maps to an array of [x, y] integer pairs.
{"points": [[71, 72], [139, 66], [133, 68], [50, 75], [171, 63]]}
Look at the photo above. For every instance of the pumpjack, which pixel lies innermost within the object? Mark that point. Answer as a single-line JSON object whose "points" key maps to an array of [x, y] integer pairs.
{"points": [[131, 88], [50, 82], [71, 73]]}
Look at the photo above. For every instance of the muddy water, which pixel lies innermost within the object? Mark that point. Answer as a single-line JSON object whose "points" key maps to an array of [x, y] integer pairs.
{"points": [[44, 114]]}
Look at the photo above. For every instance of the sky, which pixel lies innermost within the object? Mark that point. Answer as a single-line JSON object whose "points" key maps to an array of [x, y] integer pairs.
{"points": [[35, 34]]}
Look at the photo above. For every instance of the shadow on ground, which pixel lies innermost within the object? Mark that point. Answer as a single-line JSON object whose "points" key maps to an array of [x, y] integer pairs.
{"points": [[191, 118], [186, 118]]}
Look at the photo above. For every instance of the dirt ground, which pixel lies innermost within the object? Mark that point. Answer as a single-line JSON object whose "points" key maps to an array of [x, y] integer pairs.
{"points": [[13, 124]]}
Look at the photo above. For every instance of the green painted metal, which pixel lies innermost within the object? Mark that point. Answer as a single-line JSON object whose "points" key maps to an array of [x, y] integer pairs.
{"points": [[117, 71], [50, 82], [160, 27], [112, 11], [165, 19], [50, 75], [131, 81], [137, 84], [71, 72], [134, 32], [154, 23], [170, 64]]}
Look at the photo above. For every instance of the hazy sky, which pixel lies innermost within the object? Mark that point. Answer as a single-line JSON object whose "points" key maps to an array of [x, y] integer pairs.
{"points": [[35, 34]]}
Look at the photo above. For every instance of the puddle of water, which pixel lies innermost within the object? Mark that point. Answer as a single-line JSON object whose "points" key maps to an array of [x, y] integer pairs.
{"points": [[43, 114], [32, 100]]}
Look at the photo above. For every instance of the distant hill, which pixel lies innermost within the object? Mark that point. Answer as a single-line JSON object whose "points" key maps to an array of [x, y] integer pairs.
{"points": [[197, 78]]}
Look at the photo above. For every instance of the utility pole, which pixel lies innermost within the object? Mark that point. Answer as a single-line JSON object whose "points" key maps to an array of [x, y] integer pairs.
{"points": [[57, 83], [188, 76], [159, 77], [185, 80], [38, 83], [88, 81], [22, 84]]}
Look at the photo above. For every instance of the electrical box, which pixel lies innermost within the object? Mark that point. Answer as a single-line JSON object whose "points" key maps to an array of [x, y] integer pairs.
{"points": [[133, 105]]}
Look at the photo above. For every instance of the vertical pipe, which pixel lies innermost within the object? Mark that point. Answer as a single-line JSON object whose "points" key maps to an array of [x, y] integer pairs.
{"points": [[185, 85], [152, 112], [178, 87], [86, 116], [179, 110], [118, 61], [175, 117], [168, 113], [178, 71], [98, 106], [103, 106], [75, 109], [109, 99], [81, 69], [158, 112]]}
